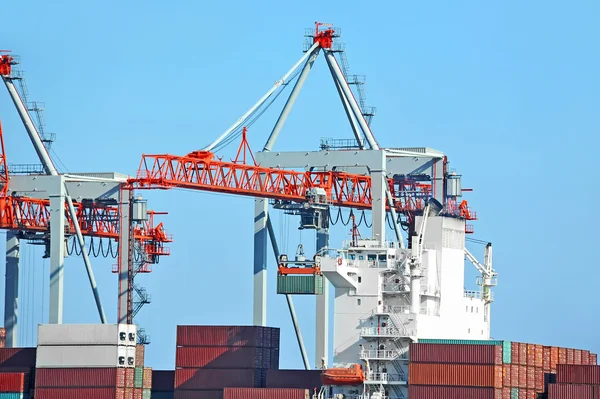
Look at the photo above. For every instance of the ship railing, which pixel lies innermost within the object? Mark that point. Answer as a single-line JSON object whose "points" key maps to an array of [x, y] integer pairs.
{"points": [[385, 354], [380, 331], [384, 377]]}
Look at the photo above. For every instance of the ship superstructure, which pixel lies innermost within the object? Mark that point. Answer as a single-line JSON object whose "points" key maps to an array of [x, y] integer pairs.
{"points": [[387, 297]]}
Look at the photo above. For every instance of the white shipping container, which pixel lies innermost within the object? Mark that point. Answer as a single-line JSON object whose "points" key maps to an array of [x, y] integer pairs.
{"points": [[84, 356], [87, 334]]}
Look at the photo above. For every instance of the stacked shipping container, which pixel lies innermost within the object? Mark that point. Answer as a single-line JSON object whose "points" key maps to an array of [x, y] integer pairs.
{"points": [[575, 382], [497, 369], [22, 362], [211, 358], [304, 379], [93, 361], [266, 393]]}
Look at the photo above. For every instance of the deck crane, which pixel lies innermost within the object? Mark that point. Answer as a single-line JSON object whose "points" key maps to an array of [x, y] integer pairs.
{"points": [[488, 278], [30, 217], [270, 176]]}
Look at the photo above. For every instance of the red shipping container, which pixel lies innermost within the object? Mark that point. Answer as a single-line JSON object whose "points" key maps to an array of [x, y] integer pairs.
{"points": [[137, 393], [571, 391], [305, 379], [163, 380], [248, 336], [506, 375], [455, 375], [180, 394], [191, 379], [265, 393], [585, 357], [140, 351], [506, 393], [82, 377], [129, 377], [13, 382], [539, 379], [570, 356], [17, 357], [522, 354], [514, 348], [593, 358], [522, 377], [562, 356], [79, 393], [221, 357], [577, 374], [433, 392], [531, 394], [514, 375], [539, 355], [546, 358], [530, 377], [553, 358], [522, 393], [456, 354], [147, 378]]}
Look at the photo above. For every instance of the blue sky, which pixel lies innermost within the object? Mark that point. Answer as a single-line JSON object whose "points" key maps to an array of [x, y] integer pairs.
{"points": [[508, 90]]}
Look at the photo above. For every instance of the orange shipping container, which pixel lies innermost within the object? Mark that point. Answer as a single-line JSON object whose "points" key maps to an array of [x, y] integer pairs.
{"points": [[553, 358], [593, 358], [585, 357], [522, 354], [539, 356], [577, 356], [514, 349], [455, 375], [546, 360], [570, 356], [562, 356], [514, 375], [522, 377], [530, 377], [506, 375], [530, 355], [539, 379]]}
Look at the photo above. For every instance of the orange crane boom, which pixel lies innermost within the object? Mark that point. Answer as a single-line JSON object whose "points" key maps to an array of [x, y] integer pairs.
{"points": [[203, 170]]}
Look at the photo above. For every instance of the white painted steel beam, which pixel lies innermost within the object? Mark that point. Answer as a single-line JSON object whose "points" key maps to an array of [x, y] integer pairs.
{"points": [[57, 253], [261, 209], [291, 99], [322, 309], [11, 290]]}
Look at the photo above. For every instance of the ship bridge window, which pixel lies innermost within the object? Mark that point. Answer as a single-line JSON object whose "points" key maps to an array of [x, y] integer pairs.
{"points": [[371, 257], [382, 258], [351, 256], [361, 257]]}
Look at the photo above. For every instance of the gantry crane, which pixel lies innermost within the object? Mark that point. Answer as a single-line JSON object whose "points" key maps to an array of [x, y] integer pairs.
{"points": [[360, 175], [31, 218]]}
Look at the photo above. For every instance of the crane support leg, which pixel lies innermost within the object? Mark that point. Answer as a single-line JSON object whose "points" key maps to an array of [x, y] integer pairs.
{"points": [[338, 76], [322, 308], [288, 298], [11, 293], [291, 100], [261, 209], [125, 256], [349, 113], [57, 253]]}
